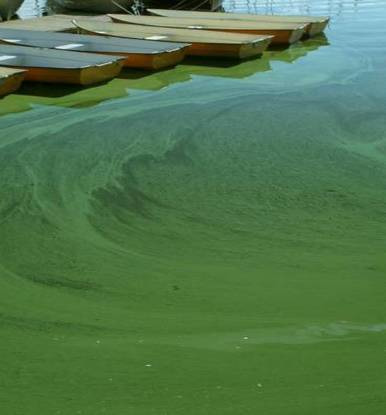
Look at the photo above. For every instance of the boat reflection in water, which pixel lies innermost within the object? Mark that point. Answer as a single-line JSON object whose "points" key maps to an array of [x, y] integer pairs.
{"points": [[299, 49]]}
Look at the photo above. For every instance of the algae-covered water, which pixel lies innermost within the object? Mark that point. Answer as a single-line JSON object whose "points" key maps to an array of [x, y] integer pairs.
{"points": [[206, 240]]}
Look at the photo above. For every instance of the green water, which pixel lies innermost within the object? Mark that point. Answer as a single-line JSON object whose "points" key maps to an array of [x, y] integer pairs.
{"points": [[203, 240]]}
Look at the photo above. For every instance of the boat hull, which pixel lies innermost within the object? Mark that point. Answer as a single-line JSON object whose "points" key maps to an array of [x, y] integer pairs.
{"points": [[93, 6], [315, 24], [10, 81], [151, 61], [231, 51], [9, 7], [81, 76], [185, 5], [106, 6], [54, 66], [280, 37], [317, 28]]}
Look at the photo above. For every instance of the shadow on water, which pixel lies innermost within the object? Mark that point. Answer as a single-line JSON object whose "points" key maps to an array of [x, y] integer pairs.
{"points": [[213, 62], [135, 74], [47, 91]]}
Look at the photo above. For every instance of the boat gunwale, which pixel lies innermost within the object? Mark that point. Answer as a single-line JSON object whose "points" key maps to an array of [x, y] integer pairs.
{"points": [[307, 19], [292, 26]]}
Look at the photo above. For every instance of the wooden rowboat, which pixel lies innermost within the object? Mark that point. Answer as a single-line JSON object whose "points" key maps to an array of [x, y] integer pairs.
{"points": [[283, 33], [49, 65], [315, 24], [202, 43], [9, 7], [10, 80], [144, 54]]}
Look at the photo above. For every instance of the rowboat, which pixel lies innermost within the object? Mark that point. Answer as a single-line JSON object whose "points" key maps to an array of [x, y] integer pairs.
{"points": [[49, 65], [93, 6], [202, 43], [315, 24], [9, 7], [283, 33], [10, 80], [144, 54]]}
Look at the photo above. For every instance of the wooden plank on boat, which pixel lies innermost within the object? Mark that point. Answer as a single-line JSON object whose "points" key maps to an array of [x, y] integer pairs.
{"points": [[316, 24], [144, 54], [10, 80], [202, 43], [50, 65], [284, 33]]}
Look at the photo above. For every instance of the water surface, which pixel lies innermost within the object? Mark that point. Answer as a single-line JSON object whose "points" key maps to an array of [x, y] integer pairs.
{"points": [[208, 239]]}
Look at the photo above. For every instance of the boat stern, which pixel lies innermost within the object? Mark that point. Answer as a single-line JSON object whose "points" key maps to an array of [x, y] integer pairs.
{"points": [[102, 72]]}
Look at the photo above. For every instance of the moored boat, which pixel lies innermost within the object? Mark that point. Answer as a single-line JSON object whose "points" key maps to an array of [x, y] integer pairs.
{"points": [[183, 4], [202, 43], [283, 33], [108, 6], [93, 6], [144, 54], [10, 80], [315, 24], [49, 65], [9, 7]]}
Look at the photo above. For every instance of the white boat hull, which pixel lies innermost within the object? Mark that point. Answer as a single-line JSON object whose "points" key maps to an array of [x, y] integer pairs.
{"points": [[9, 7], [93, 6]]}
